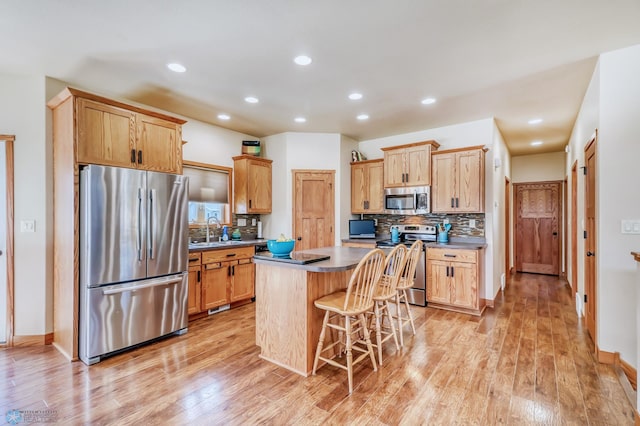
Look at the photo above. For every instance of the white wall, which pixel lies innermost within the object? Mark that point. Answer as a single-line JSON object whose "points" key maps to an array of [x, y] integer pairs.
{"points": [[618, 152], [23, 111], [587, 122], [455, 136], [539, 167], [497, 167], [474, 133], [346, 146], [213, 145]]}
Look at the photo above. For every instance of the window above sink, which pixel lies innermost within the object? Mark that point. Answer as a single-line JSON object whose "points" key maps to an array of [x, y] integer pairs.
{"points": [[209, 193]]}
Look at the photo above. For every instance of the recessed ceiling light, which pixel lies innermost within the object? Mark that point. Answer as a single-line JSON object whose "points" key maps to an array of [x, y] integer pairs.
{"points": [[535, 121], [355, 96], [428, 101], [536, 143], [251, 99], [224, 116], [175, 67], [363, 117], [300, 120], [302, 60]]}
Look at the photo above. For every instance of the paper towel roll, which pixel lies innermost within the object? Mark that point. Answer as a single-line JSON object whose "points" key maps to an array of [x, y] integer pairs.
{"points": [[259, 229]]}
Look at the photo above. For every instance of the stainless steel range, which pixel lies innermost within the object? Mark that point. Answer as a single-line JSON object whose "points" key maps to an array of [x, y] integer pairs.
{"points": [[417, 295]]}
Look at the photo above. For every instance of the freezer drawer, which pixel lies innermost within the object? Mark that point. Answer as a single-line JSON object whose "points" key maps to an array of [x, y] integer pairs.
{"points": [[119, 316]]}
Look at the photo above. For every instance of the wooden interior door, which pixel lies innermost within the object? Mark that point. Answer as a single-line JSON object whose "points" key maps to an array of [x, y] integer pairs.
{"points": [[537, 222], [6, 241], [574, 228], [507, 226], [313, 208], [590, 282]]}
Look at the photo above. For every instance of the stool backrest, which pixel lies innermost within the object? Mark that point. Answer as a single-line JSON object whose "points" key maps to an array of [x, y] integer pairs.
{"points": [[364, 280], [413, 257], [394, 266]]}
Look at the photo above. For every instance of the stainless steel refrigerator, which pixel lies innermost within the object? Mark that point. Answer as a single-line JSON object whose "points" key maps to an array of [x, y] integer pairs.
{"points": [[133, 258]]}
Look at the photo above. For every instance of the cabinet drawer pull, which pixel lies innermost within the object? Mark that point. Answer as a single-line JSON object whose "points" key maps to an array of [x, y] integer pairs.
{"points": [[231, 254], [450, 255], [193, 259]]}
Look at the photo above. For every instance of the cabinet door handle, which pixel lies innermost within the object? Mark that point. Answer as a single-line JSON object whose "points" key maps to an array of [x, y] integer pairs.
{"points": [[452, 203], [233, 270], [133, 155], [198, 279], [452, 271], [249, 203], [139, 157], [457, 202], [447, 271]]}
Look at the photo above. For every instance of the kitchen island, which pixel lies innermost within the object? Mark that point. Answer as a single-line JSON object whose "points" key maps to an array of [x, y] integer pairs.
{"points": [[287, 322]]}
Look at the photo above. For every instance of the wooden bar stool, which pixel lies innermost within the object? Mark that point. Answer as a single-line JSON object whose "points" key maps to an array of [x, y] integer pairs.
{"points": [[405, 283], [345, 312], [385, 291]]}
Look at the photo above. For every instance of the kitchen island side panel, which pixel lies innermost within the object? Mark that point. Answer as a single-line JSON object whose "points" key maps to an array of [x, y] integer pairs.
{"points": [[287, 322]]}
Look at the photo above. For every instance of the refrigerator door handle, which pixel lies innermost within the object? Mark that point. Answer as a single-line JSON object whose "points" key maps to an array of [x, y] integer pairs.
{"points": [[152, 224], [140, 224], [154, 283]]}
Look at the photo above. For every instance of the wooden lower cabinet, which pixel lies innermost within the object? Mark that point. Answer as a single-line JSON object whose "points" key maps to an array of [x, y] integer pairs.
{"points": [[224, 276], [195, 284], [455, 280]]}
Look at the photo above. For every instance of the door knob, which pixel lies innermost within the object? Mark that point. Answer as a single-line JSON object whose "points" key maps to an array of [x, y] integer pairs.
{"points": [[554, 233], [590, 253], [299, 238]]}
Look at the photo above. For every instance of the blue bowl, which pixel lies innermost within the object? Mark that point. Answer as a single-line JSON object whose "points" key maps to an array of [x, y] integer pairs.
{"points": [[280, 248]]}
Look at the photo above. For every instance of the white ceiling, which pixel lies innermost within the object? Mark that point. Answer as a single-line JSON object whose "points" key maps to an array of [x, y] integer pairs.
{"points": [[509, 59]]}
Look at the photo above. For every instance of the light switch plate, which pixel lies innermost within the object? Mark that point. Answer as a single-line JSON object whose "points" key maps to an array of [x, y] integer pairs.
{"points": [[472, 223], [27, 226], [630, 227], [242, 222], [445, 221]]}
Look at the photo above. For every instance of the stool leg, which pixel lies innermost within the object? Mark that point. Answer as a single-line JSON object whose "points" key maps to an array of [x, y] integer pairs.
{"points": [[376, 309], [393, 328], [406, 302], [368, 340], [347, 326], [399, 313], [320, 342]]}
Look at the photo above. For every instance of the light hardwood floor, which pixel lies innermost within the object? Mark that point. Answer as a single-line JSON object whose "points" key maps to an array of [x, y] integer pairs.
{"points": [[527, 361]]}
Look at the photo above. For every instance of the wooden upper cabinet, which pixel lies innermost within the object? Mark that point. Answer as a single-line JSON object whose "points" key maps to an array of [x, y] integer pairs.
{"points": [[106, 134], [458, 181], [159, 144], [252, 184], [111, 133], [408, 165], [367, 186]]}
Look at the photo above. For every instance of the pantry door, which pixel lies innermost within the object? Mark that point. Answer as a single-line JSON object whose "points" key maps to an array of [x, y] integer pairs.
{"points": [[538, 238], [6, 240], [313, 208]]}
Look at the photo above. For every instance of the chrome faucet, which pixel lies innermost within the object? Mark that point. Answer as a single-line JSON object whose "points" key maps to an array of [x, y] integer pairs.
{"points": [[218, 225]]}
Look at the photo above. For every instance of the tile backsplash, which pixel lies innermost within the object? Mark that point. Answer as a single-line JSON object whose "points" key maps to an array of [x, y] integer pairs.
{"points": [[248, 231], [460, 226]]}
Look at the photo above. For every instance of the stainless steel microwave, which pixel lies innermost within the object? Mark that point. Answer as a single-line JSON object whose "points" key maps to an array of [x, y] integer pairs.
{"points": [[408, 200]]}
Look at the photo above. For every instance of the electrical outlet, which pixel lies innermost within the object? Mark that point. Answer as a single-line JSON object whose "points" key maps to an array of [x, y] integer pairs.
{"points": [[375, 222], [27, 226], [445, 221], [242, 222], [472, 223], [253, 222]]}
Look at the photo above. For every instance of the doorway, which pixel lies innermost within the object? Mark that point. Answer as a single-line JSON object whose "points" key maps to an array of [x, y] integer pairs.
{"points": [[537, 209], [313, 208], [590, 281], [6, 240]]}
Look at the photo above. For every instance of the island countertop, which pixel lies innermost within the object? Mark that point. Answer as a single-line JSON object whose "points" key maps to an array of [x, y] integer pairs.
{"points": [[341, 259]]}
